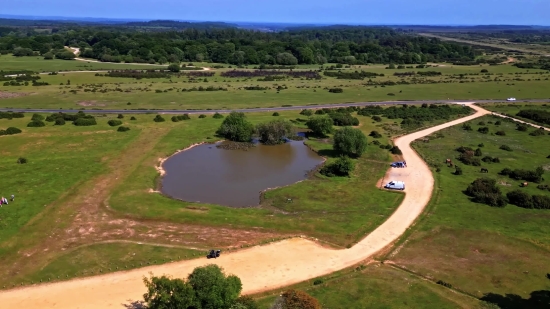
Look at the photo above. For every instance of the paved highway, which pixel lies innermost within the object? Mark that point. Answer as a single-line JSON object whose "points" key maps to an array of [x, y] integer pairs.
{"points": [[250, 110]]}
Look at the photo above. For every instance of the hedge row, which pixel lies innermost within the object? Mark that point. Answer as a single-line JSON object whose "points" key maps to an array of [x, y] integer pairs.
{"points": [[10, 131]]}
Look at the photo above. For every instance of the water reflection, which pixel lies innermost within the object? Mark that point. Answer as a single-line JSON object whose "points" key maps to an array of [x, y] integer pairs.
{"points": [[235, 177]]}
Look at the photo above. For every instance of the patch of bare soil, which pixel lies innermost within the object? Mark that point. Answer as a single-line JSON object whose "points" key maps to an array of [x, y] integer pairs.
{"points": [[91, 103], [11, 95]]}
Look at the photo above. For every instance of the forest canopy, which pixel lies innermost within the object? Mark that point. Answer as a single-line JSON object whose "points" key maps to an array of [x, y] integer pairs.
{"points": [[346, 44]]}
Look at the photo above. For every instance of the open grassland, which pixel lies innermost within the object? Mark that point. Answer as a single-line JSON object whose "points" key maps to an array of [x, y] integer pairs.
{"points": [[86, 90], [476, 248], [512, 109], [38, 64], [86, 190], [377, 286]]}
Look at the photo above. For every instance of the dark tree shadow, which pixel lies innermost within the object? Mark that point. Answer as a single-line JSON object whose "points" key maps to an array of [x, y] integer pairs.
{"points": [[137, 304], [537, 300], [329, 153]]}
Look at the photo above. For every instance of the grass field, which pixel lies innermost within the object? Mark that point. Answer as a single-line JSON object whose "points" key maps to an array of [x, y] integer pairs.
{"points": [[85, 90], [90, 185], [476, 248], [378, 286]]}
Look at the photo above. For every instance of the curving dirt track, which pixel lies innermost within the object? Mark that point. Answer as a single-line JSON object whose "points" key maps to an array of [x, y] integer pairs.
{"points": [[260, 268]]}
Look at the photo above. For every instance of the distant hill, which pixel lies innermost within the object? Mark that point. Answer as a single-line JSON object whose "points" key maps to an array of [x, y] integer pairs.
{"points": [[178, 24]]}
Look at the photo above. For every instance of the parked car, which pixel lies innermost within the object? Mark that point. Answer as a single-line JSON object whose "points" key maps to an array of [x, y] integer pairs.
{"points": [[398, 164], [213, 254], [395, 185], [511, 99]]}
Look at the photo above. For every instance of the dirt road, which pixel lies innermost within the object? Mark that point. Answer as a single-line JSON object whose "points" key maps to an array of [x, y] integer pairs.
{"points": [[260, 268]]}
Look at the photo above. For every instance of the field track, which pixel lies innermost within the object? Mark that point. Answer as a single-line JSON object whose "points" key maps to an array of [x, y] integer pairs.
{"points": [[260, 268]]}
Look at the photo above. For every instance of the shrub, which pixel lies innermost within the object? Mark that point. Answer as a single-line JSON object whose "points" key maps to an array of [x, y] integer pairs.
{"points": [[478, 153], [467, 127], [320, 125], [522, 127], [481, 145], [120, 116], [505, 147], [483, 130], [376, 118], [350, 142], [133, 118], [538, 132], [123, 129], [520, 198], [202, 116], [485, 190], [85, 121], [343, 166], [395, 150], [59, 122], [541, 201], [336, 90], [519, 174], [501, 133], [375, 134], [22, 160], [114, 123], [217, 116], [496, 160], [12, 131], [306, 112], [293, 299], [464, 149], [236, 128], [274, 132], [36, 124], [497, 123], [37, 117], [458, 170], [481, 123], [318, 281], [343, 119], [487, 159], [275, 114], [159, 118]]}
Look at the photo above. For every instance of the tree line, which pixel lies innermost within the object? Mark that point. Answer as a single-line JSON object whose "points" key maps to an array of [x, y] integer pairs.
{"points": [[350, 45]]}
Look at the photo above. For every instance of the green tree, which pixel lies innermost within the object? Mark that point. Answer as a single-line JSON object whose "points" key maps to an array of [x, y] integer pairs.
{"points": [[48, 56], [213, 289], [274, 132], [166, 293], [320, 125], [236, 128], [350, 141], [174, 67], [343, 166], [286, 59]]}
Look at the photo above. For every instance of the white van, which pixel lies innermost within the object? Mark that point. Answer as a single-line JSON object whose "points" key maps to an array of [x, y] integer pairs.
{"points": [[395, 185], [511, 99]]}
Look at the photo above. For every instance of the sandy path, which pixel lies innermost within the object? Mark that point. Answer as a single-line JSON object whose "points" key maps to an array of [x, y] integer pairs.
{"points": [[260, 268], [521, 121]]}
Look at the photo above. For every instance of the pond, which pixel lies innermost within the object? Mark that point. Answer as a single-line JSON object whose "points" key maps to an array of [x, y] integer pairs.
{"points": [[235, 178]]}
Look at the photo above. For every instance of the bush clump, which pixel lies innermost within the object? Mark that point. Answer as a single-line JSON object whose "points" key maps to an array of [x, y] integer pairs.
{"points": [[375, 134], [36, 124], [275, 114], [524, 200], [336, 90], [123, 129], [483, 130], [306, 112], [320, 125], [538, 132], [59, 122], [501, 133], [458, 170], [505, 147], [202, 116], [485, 190], [120, 116], [37, 117], [114, 123], [10, 131], [274, 132], [478, 153], [343, 166], [396, 151], [10, 115], [180, 117], [236, 128], [343, 119], [350, 142], [217, 116], [85, 121], [133, 118], [467, 127], [521, 174], [522, 127], [376, 118], [22, 160], [159, 118]]}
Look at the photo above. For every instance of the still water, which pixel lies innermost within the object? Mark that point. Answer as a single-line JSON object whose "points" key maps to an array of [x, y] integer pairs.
{"points": [[234, 178]]}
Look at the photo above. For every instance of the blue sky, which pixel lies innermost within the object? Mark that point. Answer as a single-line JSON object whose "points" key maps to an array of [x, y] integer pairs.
{"points": [[465, 12]]}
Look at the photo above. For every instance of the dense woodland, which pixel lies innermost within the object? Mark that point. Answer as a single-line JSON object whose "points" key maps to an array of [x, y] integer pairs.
{"points": [[350, 45]]}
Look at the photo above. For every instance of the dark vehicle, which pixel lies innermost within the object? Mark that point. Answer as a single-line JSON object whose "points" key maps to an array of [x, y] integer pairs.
{"points": [[213, 254], [398, 164]]}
